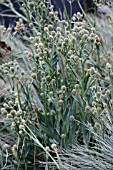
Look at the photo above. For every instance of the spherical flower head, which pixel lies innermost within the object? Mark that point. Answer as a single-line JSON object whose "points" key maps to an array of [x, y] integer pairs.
{"points": [[13, 125], [31, 25], [5, 146], [22, 73], [98, 42], [50, 26], [84, 37], [6, 72], [31, 39], [34, 75], [40, 45], [98, 109], [108, 54], [51, 13], [21, 127], [48, 79], [78, 14], [60, 101], [64, 22], [94, 103], [21, 20], [4, 111], [5, 105], [87, 108], [18, 25], [97, 127], [74, 18], [107, 93], [54, 146], [31, 4], [59, 44], [90, 127], [52, 112], [49, 101], [66, 40], [23, 121], [19, 113], [74, 91], [10, 103], [73, 39], [9, 115], [47, 148], [77, 86], [20, 132], [46, 29], [98, 94], [53, 33], [63, 136], [63, 88], [12, 69], [59, 49], [13, 112], [93, 29], [74, 57], [58, 29], [104, 105], [108, 66], [71, 118]]}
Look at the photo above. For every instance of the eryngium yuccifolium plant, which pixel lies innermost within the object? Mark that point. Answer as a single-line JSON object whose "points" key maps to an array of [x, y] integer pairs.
{"points": [[65, 85], [67, 78]]}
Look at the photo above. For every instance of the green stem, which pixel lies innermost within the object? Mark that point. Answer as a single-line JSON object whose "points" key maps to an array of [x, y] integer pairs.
{"points": [[98, 54], [70, 9], [66, 15], [12, 8], [83, 79], [33, 137], [84, 13], [18, 92]]}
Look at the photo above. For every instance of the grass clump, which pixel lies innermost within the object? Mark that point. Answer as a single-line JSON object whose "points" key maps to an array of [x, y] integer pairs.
{"points": [[97, 157]]}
